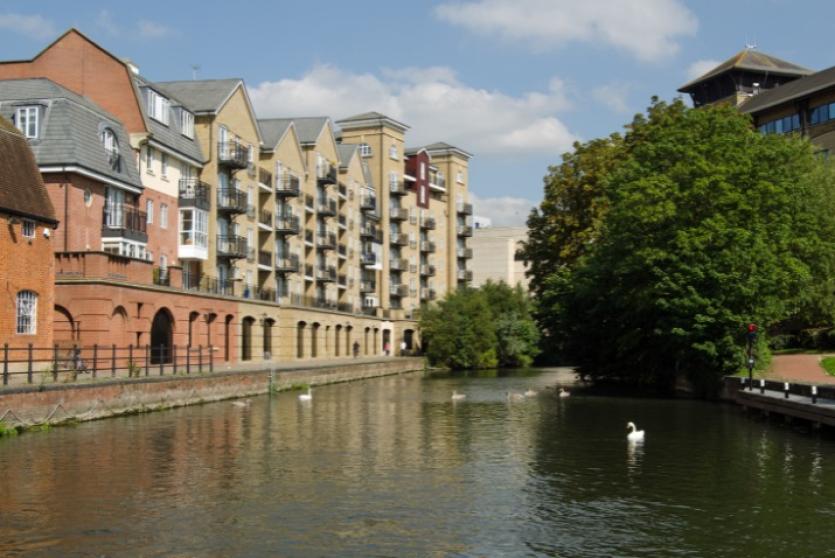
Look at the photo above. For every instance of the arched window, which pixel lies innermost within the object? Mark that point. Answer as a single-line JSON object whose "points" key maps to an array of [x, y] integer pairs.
{"points": [[111, 147], [27, 313]]}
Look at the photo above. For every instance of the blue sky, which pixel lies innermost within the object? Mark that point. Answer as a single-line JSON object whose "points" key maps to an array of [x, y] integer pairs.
{"points": [[512, 81]]}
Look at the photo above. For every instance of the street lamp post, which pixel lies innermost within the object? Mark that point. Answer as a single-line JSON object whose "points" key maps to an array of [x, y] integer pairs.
{"points": [[751, 337]]}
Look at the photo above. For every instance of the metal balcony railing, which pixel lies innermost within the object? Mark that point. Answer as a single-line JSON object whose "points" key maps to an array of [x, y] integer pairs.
{"points": [[399, 239], [231, 246], [427, 223], [368, 258], [287, 185], [194, 193], [464, 208], [325, 240], [325, 173], [231, 200], [265, 218], [427, 270], [397, 188], [398, 290], [427, 246], [368, 202], [398, 214], [465, 275], [326, 274], [287, 264], [464, 253], [368, 287], [265, 177], [326, 207], [398, 264], [465, 230], [126, 221], [427, 293], [232, 153], [265, 258], [287, 224]]}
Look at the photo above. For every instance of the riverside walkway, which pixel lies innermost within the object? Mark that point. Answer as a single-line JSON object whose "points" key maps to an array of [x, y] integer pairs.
{"points": [[814, 403]]}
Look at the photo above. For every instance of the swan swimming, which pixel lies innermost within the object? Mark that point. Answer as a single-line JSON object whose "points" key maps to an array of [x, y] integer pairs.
{"points": [[306, 396], [241, 403], [513, 396], [564, 392], [458, 396], [530, 393], [634, 434]]}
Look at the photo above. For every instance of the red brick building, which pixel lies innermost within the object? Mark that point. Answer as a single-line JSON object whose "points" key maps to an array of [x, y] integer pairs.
{"points": [[27, 225]]}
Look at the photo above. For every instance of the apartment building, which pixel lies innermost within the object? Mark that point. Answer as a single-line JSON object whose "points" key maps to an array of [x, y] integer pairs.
{"points": [[190, 221], [494, 255], [27, 264]]}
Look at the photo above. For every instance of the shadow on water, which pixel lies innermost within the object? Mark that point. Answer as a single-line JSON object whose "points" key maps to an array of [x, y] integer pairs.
{"points": [[395, 467]]}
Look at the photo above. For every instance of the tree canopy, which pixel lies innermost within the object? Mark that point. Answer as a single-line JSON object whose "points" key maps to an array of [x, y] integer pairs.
{"points": [[650, 251]]}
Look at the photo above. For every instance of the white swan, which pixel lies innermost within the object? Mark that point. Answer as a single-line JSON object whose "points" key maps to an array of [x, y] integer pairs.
{"points": [[241, 403], [513, 396], [564, 393], [306, 396], [458, 396], [530, 393], [634, 434]]}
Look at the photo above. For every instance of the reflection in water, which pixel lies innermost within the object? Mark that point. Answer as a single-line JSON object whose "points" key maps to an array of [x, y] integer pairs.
{"points": [[392, 467]]}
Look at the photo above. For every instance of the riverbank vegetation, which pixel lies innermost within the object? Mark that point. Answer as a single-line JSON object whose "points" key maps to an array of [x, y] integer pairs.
{"points": [[652, 249], [481, 328]]}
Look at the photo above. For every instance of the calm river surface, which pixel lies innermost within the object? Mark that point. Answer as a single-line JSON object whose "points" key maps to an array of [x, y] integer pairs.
{"points": [[392, 467]]}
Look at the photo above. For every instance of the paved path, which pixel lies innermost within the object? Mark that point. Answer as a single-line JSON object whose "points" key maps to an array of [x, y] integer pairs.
{"points": [[799, 368]]}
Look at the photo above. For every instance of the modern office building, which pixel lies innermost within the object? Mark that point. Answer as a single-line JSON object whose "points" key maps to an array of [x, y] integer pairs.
{"points": [[494, 255], [188, 220]]}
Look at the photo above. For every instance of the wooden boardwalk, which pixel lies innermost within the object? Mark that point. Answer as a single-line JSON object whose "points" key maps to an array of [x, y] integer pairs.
{"points": [[770, 397]]}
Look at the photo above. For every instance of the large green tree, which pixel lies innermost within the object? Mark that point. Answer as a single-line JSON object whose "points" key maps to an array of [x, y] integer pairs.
{"points": [[708, 225]]}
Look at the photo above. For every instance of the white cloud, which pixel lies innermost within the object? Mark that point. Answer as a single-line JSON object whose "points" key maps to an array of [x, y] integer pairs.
{"points": [[614, 96], [107, 23], [648, 29], [151, 29], [433, 101], [34, 26], [700, 68], [503, 211]]}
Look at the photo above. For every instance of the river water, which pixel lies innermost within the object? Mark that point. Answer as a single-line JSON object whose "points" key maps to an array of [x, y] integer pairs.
{"points": [[392, 467]]}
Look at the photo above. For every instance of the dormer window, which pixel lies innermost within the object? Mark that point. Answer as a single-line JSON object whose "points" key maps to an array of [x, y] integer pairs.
{"points": [[187, 124], [26, 120], [158, 107], [111, 147]]}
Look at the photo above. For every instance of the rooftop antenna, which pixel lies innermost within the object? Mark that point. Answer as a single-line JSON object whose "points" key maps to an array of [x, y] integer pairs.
{"points": [[194, 69]]}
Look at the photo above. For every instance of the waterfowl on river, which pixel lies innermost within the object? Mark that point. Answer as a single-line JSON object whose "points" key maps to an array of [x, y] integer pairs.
{"points": [[634, 434], [306, 396], [530, 393], [513, 396], [241, 403], [458, 396], [564, 392]]}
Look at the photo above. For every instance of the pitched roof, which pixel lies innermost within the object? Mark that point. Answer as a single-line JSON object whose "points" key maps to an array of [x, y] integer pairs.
{"points": [[273, 129], [171, 135], [22, 190], [345, 151], [753, 61], [443, 147], [371, 118], [309, 128], [789, 91], [70, 128], [202, 95]]}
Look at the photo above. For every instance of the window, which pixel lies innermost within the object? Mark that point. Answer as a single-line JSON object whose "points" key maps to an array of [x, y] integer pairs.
{"points": [[187, 124], [393, 179], [28, 228], [365, 150], [163, 216], [163, 158], [422, 170], [27, 310], [250, 155], [149, 211], [393, 152], [459, 177], [27, 121], [158, 106], [149, 160], [111, 146]]}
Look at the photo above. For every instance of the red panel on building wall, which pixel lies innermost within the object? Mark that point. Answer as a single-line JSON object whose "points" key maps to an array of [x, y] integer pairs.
{"points": [[418, 166]]}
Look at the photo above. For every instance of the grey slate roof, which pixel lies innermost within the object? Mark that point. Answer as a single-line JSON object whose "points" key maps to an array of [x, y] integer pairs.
{"points": [[373, 115], [789, 91], [201, 95], [443, 146], [752, 60], [345, 152], [363, 116], [308, 128], [273, 129], [22, 190], [170, 135], [70, 128]]}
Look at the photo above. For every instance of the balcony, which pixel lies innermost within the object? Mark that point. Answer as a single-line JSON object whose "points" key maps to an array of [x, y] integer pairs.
{"points": [[265, 218], [398, 188], [287, 185], [287, 224], [427, 223], [465, 275], [398, 264], [325, 173], [328, 303], [427, 293], [124, 221], [427, 246], [427, 270], [400, 239], [194, 193], [232, 154], [231, 200], [326, 207], [399, 214], [465, 230], [325, 240], [464, 253], [265, 258], [287, 264], [399, 291], [368, 287], [326, 274], [368, 259], [231, 246], [368, 202], [368, 231], [464, 208]]}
